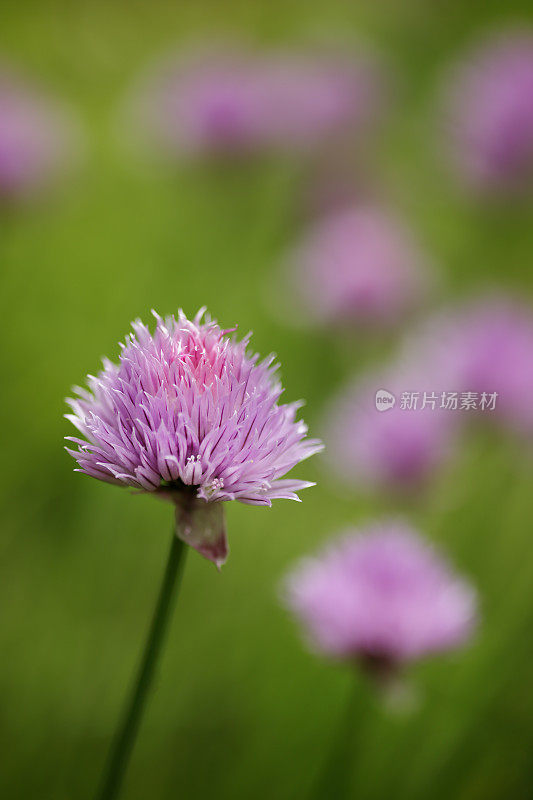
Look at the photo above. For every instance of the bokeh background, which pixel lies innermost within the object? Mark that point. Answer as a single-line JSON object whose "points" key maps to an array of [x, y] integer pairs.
{"points": [[240, 708]]}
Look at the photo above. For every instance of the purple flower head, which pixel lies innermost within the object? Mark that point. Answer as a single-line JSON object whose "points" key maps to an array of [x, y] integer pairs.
{"points": [[396, 447], [382, 597], [311, 100], [204, 105], [229, 101], [357, 266], [490, 108], [188, 414], [487, 346], [33, 139]]}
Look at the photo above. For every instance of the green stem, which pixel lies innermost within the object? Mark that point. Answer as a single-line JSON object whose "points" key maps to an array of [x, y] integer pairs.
{"points": [[334, 779], [127, 731]]}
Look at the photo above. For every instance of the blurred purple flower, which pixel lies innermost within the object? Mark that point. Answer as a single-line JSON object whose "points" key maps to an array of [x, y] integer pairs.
{"points": [[311, 100], [398, 448], [358, 266], [34, 139], [486, 347], [381, 596], [205, 105], [472, 361], [188, 414], [490, 110], [229, 101]]}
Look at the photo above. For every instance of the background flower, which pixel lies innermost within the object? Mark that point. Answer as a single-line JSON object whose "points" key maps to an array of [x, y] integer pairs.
{"points": [[227, 100], [35, 139], [398, 449], [358, 266], [381, 594], [490, 112], [483, 345]]}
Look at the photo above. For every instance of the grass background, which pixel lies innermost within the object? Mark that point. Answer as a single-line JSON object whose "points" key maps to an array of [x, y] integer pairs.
{"points": [[240, 708]]}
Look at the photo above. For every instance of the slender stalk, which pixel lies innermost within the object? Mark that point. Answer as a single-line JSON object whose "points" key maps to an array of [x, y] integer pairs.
{"points": [[334, 779], [127, 731]]}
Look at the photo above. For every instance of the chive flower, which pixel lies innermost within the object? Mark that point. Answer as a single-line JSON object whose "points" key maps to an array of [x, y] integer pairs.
{"points": [[358, 266], [381, 597], [490, 114], [189, 415], [485, 345], [229, 101], [398, 449], [35, 139]]}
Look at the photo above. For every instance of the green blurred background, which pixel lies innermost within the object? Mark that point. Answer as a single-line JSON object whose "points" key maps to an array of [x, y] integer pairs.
{"points": [[240, 708]]}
